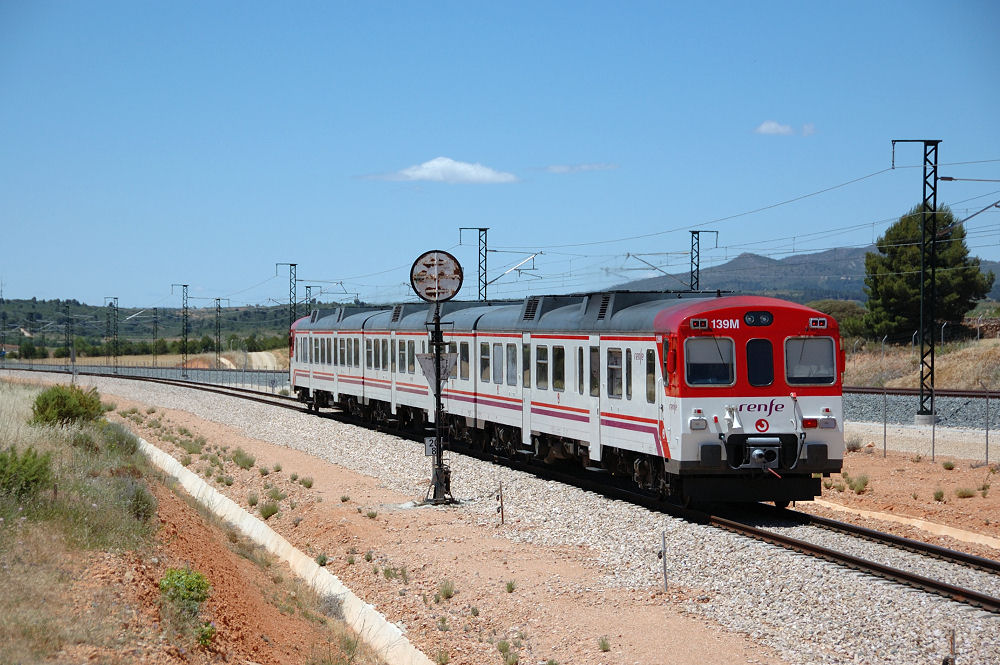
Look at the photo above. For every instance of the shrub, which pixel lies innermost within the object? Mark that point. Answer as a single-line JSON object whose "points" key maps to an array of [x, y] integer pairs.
{"points": [[503, 646], [263, 471], [939, 495], [858, 485], [964, 493], [141, 503], [185, 460], [474, 611], [268, 510], [447, 589], [242, 459], [61, 405], [443, 624], [511, 586], [307, 482], [368, 556], [853, 444], [604, 643], [84, 439], [206, 633], [276, 494], [442, 658], [344, 498], [252, 499], [949, 465], [185, 589], [371, 514], [294, 477], [276, 468], [119, 439], [322, 559], [23, 476]]}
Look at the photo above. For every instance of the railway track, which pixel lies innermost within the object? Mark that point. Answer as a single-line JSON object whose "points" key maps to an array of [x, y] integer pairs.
{"points": [[599, 483], [939, 392]]}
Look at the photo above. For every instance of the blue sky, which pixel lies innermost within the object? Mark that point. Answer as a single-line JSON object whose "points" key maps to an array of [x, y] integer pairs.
{"points": [[149, 143]]}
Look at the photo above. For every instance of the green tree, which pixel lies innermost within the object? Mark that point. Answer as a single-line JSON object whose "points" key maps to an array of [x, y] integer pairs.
{"points": [[892, 276]]}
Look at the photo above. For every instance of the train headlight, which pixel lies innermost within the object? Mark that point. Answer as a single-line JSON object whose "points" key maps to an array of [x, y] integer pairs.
{"points": [[758, 318], [810, 423], [828, 423], [698, 423]]}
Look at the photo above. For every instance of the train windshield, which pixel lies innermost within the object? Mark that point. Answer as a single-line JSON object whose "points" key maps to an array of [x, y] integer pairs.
{"points": [[709, 361], [810, 360]]}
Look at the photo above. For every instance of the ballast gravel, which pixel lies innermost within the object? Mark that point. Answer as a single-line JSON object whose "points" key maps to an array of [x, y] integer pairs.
{"points": [[809, 610]]}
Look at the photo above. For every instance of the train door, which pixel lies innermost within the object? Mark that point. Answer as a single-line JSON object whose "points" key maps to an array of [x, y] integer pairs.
{"points": [[526, 390], [592, 392], [392, 371]]}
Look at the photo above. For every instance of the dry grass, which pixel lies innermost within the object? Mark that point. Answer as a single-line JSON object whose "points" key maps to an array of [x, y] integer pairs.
{"points": [[960, 365]]}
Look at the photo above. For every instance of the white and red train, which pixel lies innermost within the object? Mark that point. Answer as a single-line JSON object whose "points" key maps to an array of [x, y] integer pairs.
{"points": [[728, 398]]}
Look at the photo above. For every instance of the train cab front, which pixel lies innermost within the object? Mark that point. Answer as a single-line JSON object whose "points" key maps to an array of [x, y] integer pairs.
{"points": [[758, 405]]}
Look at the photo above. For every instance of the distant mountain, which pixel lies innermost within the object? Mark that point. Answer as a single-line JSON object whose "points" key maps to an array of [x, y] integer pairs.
{"points": [[835, 273]]}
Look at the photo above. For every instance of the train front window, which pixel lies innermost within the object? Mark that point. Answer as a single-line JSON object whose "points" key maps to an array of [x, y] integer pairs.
{"points": [[760, 362], [709, 361], [810, 361]]}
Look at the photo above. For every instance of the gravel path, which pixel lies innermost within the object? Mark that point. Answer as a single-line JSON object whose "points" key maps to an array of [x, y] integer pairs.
{"points": [[809, 610]]}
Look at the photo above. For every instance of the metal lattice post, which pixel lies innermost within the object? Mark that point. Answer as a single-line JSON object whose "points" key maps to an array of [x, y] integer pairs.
{"points": [[695, 260], [184, 334], [292, 305], [482, 263], [928, 270], [218, 330], [114, 330], [107, 334], [156, 331]]}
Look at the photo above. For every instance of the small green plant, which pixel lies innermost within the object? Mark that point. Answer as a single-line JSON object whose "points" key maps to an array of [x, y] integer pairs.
{"points": [[447, 589], [939, 495], [61, 405], [227, 481], [140, 502], [948, 465], [511, 658], [263, 471], [443, 624], [437, 598], [914, 495], [474, 611], [344, 498], [25, 475], [840, 487], [511, 586], [827, 483], [184, 431], [853, 444], [268, 510], [368, 556], [604, 643], [858, 485], [503, 646], [85, 440], [206, 633], [118, 438], [307, 482], [321, 560], [371, 514], [243, 459], [965, 493], [151, 410], [916, 458], [185, 460], [350, 560], [276, 494], [185, 589], [442, 658], [252, 499], [276, 468], [297, 520], [294, 477]]}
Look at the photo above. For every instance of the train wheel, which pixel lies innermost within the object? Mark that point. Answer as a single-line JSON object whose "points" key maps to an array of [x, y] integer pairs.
{"points": [[781, 503]]}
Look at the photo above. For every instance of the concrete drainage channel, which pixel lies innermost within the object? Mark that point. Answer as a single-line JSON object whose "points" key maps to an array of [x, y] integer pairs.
{"points": [[373, 628]]}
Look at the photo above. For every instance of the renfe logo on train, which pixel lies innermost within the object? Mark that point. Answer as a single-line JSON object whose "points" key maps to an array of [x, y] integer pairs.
{"points": [[766, 408]]}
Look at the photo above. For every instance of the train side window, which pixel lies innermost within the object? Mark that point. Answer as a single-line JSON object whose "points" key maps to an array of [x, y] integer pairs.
{"points": [[709, 361], [542, 367], [498, 364], [512, 364], [342, 344], [350, 352], [357, 352], [453, 350], [526, 365], [410, 356], [595, 371], [628, 373], [330, 360], [484, 361], [615, 373], [368, 353], [559, 368], [392, 355], [810, 360], [666, 354], [760, 362], [463, 360], [402, 356], [650, 375], [385, 354], [579, 370]]}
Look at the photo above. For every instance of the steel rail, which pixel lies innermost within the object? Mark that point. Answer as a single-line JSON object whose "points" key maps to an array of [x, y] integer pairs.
{"points": [[940, 392]]}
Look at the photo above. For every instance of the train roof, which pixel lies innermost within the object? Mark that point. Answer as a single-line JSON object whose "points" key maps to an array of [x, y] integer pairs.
{"points": [[614, 311]]}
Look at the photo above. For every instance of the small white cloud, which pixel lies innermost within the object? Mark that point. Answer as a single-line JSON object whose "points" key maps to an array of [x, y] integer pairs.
{"points": [[772, 127], [808, 129], [579, 168], [443, 169]]}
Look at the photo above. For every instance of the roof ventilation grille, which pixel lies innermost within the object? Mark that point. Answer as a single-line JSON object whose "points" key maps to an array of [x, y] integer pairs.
{"points": [[603, 311], [530, 308], [397, 312]]}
